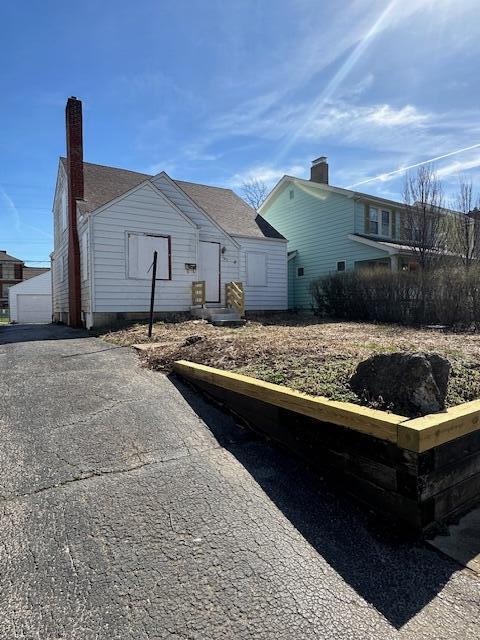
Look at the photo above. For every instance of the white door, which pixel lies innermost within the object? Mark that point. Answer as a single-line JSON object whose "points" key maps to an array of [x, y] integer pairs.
{"points": [[209, 269], [34, 307]]}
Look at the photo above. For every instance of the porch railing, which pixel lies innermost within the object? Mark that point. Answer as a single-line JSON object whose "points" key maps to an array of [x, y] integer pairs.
{"points": [[235, 297], [198, 293]]}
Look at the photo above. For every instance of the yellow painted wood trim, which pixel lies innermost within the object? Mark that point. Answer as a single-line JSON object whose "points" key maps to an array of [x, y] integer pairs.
{"points": [[421, 434], [371, 421], [418, 435]]}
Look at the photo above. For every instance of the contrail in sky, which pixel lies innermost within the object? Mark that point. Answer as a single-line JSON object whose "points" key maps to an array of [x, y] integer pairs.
{"points": [[382, 176]]}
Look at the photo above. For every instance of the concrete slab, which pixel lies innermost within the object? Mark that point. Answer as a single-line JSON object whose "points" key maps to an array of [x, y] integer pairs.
{"points": [[131, 509], [462, 542]]}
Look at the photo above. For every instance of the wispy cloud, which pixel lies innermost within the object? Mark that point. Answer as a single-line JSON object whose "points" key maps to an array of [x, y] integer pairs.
{"points": [[18, 224], [455, 167], [11, 209], [268, 174]]}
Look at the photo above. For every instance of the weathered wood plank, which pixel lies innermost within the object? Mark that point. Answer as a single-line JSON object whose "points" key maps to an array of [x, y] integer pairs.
{"points": [[435, 429], [371, 421]]}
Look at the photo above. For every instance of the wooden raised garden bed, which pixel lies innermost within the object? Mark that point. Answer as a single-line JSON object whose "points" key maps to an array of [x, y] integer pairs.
{"points": [[419, 471]]}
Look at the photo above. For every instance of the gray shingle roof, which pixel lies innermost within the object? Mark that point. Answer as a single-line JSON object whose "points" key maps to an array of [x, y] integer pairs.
{"points": [[236, 217]]}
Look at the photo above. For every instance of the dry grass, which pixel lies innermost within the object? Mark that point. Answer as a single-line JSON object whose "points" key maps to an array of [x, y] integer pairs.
{"points": [[304, 353]]}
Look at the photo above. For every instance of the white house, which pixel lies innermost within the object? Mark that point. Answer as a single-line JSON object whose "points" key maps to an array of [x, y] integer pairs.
{"points": [[31, 300], [108, 222]]}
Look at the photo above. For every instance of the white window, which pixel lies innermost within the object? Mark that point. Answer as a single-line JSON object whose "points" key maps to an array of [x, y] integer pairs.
{"points": [[256, 269], [6, 287], [63, 209], [341, 265], [300, 271], [141, 248], [84, 255], [385, 222], [379, 222], [373, 221]]}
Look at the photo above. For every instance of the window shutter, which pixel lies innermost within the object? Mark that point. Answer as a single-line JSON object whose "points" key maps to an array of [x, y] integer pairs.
{"points": [[256, 269], [133, 256], [366, 220]]}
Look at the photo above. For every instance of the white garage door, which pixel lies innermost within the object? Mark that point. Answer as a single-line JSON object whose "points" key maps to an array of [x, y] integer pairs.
{"points": [[34, 307]]}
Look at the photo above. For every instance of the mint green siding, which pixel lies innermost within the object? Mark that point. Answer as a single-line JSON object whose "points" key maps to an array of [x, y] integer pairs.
{"points": [[317, 224], [292, 269]]}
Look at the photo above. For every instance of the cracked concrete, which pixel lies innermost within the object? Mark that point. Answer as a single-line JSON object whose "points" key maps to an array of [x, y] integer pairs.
{"points": [[132, 509]]}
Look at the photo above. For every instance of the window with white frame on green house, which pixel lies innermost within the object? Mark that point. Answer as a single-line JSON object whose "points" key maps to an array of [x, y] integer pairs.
{"points": [[380, 222]]}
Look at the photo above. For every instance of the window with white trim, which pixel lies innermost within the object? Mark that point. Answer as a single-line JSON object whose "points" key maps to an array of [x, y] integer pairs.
{"points": [[373, 220], [386, 222], [140, 251], [300, 272], [257, 269], [341, 265], [380, 222]]}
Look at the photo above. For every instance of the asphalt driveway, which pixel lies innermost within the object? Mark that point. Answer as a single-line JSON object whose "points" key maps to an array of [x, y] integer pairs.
{"points": [[132, 509]]}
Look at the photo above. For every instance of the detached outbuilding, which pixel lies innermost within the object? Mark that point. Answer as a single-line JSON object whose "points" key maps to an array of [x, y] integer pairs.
{"points": [[30, 301]]}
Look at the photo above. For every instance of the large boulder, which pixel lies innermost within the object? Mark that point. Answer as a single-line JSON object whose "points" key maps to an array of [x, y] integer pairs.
{"points": [[411, 384]]}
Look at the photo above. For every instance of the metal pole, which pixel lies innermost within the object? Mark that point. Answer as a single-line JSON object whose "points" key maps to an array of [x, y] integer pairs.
{"points": [[152, 295]]}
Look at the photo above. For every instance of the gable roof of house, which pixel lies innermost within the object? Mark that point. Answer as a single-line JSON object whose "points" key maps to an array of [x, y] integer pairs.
{"points": [[349, 193], [5, 257], [103, 184]]}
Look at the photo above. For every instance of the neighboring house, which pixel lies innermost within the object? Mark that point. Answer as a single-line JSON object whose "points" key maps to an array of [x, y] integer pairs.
{"points": [[32, 272], [11, 272], [31, 300], [109, 221], [330, 229]]}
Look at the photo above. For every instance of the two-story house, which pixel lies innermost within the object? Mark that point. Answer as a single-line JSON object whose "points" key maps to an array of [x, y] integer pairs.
{"points": [[11, 272], [331, 229]]}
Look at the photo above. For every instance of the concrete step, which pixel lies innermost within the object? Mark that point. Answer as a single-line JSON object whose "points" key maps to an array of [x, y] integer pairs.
{"points": [[214, 313], [224, 316], [228, 323]]}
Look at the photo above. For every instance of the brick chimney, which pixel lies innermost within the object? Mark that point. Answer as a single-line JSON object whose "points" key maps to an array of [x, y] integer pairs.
{"points": [[319, 170], [73, 116]]}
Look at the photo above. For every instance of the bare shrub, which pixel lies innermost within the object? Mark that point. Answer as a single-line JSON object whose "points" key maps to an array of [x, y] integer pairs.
{"points": [[446, 296]]}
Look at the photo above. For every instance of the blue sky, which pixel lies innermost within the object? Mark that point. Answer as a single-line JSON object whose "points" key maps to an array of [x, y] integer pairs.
{"points": [[220, 91]]}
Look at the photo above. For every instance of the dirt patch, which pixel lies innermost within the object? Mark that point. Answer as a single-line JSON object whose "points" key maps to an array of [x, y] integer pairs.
{"points": [[304, 353]]}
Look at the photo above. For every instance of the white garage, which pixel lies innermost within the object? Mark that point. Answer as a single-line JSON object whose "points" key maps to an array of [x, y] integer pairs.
{"points": [[31, 300]]}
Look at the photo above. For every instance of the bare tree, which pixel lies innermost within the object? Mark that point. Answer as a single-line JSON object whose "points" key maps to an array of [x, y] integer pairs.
{"points": [[465, 228], [425, 221], [254, 192]]}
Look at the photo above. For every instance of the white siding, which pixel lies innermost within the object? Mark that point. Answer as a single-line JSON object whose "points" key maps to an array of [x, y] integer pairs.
{"points": [[84, 242], [60, 253], [41, 285], [142, 211], [273, 296], [229, 268]]}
